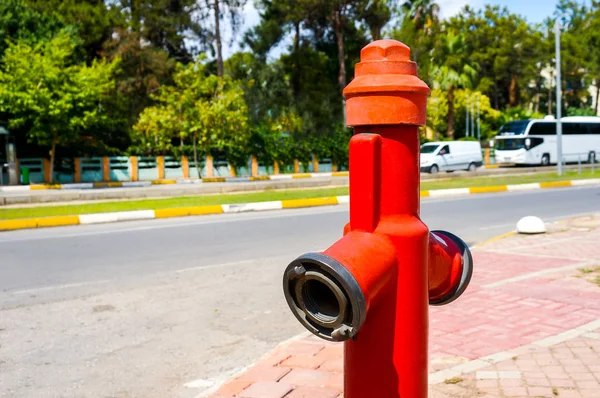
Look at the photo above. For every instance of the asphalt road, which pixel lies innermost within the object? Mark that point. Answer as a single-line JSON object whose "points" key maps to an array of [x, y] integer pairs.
{"points": [[168, 308]]}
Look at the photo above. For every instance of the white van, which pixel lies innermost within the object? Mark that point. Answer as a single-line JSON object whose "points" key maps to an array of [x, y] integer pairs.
{"points": [[450, 156]]}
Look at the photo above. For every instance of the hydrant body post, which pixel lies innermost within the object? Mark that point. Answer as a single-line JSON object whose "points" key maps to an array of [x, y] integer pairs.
{"points": [[372, 288]]}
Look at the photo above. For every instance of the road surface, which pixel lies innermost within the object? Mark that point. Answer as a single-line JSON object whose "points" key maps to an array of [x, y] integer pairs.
{"points": [[168, 308]]}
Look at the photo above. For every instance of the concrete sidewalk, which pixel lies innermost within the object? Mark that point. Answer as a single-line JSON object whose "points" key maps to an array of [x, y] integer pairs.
{"points": [[528, 326]]}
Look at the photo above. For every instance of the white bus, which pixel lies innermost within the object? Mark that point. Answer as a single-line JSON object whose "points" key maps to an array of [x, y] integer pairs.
{"points": [[533, 142]]}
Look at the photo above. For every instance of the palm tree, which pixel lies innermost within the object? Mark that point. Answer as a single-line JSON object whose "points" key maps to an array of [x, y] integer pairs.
{"points": [[376, 15], [453, 73], [421, 12]]}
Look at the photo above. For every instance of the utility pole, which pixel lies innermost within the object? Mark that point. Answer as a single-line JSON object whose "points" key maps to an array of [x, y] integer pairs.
{"points": [[558, 100]]}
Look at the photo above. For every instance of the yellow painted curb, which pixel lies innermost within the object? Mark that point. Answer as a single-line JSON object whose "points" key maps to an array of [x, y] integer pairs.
{"points": [[260, 178], [340, 174], [44, 186], [176, 212], [201, 210], [112, 184], [213, 179], [188, 211], [424, 194], [57, 221], [491, 166], [555, 184], [496, 238], [294, 203], [305, 175], [9, 225], [497, 188], [163, 182]]}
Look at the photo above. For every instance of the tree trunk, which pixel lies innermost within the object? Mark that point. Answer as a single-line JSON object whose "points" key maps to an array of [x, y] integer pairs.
{"points": [[53, 156], [451, 111], [513, 92], [196, 156], [337, 26], [496, 99], [597, 96], [135, 8], [218, 40], [296, 69]]}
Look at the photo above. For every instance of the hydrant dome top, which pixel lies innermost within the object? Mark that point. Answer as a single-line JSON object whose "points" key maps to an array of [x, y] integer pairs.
{"points": [[386, 89], [385, 50]]}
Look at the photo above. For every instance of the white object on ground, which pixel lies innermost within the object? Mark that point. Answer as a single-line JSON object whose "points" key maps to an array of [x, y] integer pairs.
{"points": [[531, 225]]}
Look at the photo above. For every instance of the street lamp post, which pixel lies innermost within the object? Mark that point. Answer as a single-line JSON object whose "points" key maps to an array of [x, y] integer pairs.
{"points": [[558, 100]]}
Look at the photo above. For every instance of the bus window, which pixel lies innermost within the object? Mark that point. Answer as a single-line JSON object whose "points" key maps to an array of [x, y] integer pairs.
{"points": [[514, 128], [510, 144], [572, 128], [543, 128]]}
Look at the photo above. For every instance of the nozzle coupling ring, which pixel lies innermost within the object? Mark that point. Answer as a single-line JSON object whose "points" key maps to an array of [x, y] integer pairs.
{"points": [[324, 297]]}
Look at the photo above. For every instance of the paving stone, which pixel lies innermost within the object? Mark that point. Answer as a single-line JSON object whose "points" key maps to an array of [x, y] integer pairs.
{"points": [[266, 389]]}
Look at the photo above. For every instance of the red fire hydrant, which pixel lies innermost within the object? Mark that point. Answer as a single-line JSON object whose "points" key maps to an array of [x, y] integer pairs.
{"points": [[372, 288]]}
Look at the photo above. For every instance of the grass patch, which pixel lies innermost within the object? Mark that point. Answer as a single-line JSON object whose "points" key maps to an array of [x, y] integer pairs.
{"points": [[186, 201], [470, 182], [154, 204], [453, 380], [592, 275]]}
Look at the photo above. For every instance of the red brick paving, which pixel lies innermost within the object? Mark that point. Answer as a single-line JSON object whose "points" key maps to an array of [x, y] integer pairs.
{"points": [[486, 320]]}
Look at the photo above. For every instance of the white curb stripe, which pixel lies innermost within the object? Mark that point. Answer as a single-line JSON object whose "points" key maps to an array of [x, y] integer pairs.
{"points": [[97, 218], [591, 181], [321, 175], [101, 218], [24, 188], [135, 215], [281, 177], [343, 199], [523, 187], [258, 206], [449, 192], [137, 184], [85, 185]]}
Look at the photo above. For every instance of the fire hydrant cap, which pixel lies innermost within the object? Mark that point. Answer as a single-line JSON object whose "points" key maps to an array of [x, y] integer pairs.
{"points": [[390, 50], [386, 89]]}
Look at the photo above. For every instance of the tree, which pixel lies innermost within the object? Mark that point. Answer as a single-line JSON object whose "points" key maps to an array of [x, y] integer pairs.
{"points": [[211, 13], [92, 18], [422, 13], [144, 69], [453, 72], [508, 51], [207, 110], [593, 41], [41, 88], [164, 24], [376, 15], [19, 22]]}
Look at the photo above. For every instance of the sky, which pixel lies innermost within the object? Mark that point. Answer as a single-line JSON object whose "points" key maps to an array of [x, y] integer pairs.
{"points": [[533, 10]]}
